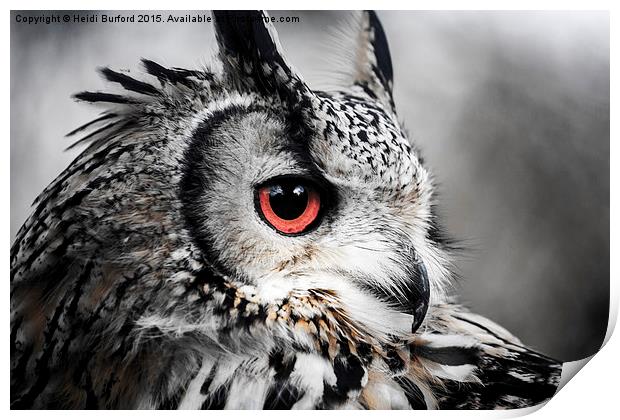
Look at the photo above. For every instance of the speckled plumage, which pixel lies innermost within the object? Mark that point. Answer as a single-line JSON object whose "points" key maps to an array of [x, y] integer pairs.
{"points": [[145, 278]]}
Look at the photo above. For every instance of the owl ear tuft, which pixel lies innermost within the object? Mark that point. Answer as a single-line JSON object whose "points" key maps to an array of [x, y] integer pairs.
{"points": [[373, 62], [251, 53]]}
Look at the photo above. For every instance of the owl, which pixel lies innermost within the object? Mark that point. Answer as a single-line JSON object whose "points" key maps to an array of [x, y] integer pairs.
{"points": [[232, 238]]}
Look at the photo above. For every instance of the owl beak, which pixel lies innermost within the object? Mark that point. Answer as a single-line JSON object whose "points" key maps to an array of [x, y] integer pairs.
{"points": [[419, 295]]}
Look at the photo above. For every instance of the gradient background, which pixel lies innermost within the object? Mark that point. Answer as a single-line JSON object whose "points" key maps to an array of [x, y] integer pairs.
{"points": [[510, 109]]}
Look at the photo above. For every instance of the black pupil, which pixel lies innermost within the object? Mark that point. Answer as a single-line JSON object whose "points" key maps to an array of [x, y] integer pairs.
{"points": [[288, 199]]}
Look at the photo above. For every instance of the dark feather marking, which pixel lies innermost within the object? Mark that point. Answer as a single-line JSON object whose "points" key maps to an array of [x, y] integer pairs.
{"points": [[17, 323], [283, 367], [349, 372], [123, 351], [541, 376], [394, 362], [412, 392], [204, 389], [437, 234], [530, 351], [171, 400], [18, 374], [92, 402], [42, 368], [449, 356], [49, 194], [174, 75], [71, 202], [282, 396], [381, 50], [259, 66], [53, 271], [115, 124], [482, 327], [129, 83], [104, 97], [69, 316], [95, 160], [57, 267], [72, 309], [107, 154], [216, 400], [242, 34], [119, 294], [88, 124], [495, 386]]}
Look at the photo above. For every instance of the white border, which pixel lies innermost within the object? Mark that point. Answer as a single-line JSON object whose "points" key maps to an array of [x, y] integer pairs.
{"points": [[591, 394]]}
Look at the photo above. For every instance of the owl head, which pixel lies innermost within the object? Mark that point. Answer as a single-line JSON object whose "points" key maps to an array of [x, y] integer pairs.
{"points": [[239, 203]]}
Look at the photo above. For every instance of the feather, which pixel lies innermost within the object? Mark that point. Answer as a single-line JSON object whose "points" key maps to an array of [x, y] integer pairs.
{"points": [[104, 97], [129, 83], [105, 116]]}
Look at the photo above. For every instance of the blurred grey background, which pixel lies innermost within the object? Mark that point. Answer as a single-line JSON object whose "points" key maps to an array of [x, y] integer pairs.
{"points": [[511, 110]]}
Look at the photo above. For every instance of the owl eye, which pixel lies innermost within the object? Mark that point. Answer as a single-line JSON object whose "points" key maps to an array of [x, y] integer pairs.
{"points": [[291, 206]]}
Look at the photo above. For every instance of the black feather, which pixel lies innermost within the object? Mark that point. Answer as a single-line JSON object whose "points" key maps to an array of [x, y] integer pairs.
{"points": [[129, 83], [88, 124], [243, 33], [104, 97], [173, 75], [91, 135], [381, 50]]}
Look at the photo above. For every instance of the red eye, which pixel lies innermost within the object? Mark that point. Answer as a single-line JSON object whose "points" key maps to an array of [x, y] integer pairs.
{"points": [[290, 206]]}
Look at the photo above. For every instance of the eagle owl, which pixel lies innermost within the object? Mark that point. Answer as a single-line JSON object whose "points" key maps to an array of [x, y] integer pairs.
{"points": [[232, 238]]}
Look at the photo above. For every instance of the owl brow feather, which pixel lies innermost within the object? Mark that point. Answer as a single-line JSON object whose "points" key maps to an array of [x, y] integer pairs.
{"points": [[105, 116], [175, 74], [129, 83], [124, 117]]}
